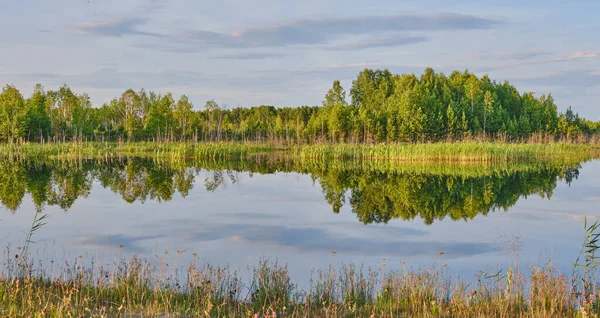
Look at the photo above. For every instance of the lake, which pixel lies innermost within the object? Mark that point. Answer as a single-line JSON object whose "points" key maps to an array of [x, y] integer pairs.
{"points": [[308, 215]]}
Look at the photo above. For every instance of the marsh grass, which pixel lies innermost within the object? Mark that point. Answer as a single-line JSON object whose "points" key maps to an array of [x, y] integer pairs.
{"points": [[96, 150], [464, 151], [468, 151], [147, 288]]}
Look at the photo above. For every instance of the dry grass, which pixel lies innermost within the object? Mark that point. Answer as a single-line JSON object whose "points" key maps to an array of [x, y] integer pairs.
{"points": [[150, 288]]}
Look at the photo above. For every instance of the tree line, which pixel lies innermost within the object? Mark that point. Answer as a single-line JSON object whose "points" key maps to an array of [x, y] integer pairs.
{"points": [[381, 107]]}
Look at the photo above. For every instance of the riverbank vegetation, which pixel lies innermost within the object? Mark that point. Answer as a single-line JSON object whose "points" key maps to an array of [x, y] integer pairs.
{"points": [[457, 151], [464, 151], [381, 108]]}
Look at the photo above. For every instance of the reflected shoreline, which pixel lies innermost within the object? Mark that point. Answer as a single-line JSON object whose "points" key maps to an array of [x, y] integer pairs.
{"points": [[376, 192]]}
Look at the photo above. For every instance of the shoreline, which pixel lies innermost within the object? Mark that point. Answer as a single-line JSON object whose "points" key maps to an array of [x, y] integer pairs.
{"points": [[465, 151]]}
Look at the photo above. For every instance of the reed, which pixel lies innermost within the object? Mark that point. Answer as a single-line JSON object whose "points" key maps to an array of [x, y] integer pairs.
{"points": [[139, 287], [138, 149], [472, 151], [465, 151]]}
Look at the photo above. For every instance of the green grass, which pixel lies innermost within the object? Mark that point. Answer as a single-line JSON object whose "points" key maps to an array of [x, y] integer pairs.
{"points": [[139, 149], [468, 151]]}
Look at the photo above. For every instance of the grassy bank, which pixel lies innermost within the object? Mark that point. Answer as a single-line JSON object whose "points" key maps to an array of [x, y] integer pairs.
{"points": [[141, 288], [471, 151], [94, 150], [458, 151]]}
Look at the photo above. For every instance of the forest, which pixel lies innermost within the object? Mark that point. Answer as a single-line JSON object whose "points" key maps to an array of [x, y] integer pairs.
{"points": [[380, 107]]}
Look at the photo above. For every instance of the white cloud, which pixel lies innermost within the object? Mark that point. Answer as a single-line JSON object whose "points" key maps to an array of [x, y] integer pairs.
{"points": [[299, 32], [116, 27]]}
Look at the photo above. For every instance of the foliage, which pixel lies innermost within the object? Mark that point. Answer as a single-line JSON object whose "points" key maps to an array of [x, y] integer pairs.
{"points": [[384, 107]]}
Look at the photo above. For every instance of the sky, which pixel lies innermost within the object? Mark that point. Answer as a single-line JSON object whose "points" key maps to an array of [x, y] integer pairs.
{"points": [[287, 53]]}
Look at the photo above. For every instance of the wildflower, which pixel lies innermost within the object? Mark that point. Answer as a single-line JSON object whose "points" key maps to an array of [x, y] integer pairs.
{"points": [[18, 282], [584, 295], [474, 293], [255, 315]]}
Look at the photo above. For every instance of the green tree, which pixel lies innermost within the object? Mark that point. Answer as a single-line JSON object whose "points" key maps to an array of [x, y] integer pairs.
{"points": [[452, 121], [488, 101], [13, 114], [130, 110], [182, 115], [334, 105], [39, 123]]}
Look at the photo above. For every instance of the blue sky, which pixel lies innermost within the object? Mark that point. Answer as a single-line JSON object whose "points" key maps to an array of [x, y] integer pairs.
{"points": [[287, 53]]}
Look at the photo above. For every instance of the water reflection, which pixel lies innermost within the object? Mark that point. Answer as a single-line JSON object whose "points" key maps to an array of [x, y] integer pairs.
{"points": [[376, 192]]}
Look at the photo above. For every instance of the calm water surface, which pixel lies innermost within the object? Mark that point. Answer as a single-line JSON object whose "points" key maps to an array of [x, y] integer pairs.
{"points": [[237, 213]]}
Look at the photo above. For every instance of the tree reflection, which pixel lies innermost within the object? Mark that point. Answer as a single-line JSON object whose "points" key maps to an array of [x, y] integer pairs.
{"points": [[382, 197], [376, 194]]}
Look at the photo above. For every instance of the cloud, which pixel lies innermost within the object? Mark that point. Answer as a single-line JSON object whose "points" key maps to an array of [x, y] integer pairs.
{"points": [[575, 56], [523, 55], [513, 56], [573, 79], [400, 241], [559, 214], [327, 31], [583, 55], [113, 78], [378, 42], [333, 67], [248, 56], [130, 243], [115, 28], [314, 31], [152, 6]]}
